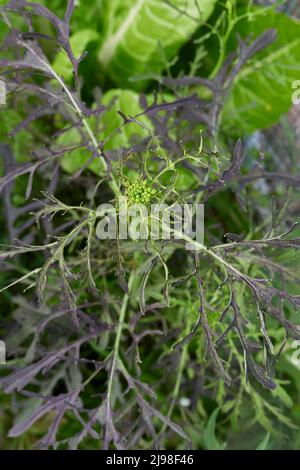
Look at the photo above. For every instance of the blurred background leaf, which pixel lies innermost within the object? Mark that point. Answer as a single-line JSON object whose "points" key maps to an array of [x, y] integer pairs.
{"points": [[263, 90]]}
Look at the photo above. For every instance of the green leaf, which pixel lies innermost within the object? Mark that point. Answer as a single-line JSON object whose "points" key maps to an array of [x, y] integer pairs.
{"points": [[126, 101], [141, 36], [209, 435], [264, 443], [79, 42], [228, 405], [263, 89], [111, 130], [22, 143], [281, 394]]}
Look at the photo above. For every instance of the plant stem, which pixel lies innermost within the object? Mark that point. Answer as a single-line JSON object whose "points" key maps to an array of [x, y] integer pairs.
{"points": [[203, 248], [181, 366], [118, 339], [92, 136], [81, 116]]}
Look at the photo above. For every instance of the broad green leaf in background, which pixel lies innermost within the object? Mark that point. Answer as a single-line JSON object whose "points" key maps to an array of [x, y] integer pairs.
{"points": [[111, 129], [128, 102], [263, 90], [22, 143], [140, 36], [86, 14], [79, 42]]}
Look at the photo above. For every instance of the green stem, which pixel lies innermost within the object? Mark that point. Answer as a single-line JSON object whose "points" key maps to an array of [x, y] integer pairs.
{"points": [[81, 116], [181, 367], [118, 339]]}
